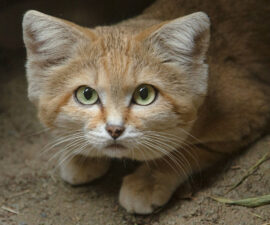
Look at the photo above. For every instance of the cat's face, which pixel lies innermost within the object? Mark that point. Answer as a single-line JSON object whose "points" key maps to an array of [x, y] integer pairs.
{"points": [[117, 93]]}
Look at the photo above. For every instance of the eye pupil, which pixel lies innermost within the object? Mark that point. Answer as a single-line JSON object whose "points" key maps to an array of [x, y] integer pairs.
{"points": [[88, 92], [143, 92]]}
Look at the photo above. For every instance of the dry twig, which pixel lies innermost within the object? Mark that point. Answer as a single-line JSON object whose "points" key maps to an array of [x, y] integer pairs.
{"points": [[247, 202], [250, 171], [9, 209]]}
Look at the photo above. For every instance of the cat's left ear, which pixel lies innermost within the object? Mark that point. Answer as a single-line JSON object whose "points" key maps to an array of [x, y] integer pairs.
{"points": [[49, 40], [184, 40]]}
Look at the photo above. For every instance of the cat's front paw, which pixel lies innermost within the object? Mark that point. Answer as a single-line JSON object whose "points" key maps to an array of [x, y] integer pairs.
{"points": [[142, 193], [81, 170]]}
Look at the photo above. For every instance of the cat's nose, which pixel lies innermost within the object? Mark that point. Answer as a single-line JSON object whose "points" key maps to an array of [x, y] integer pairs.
{"points": [[114, 130]]}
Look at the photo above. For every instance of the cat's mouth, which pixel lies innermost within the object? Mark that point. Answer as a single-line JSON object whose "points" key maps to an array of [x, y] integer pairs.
{"points": [[116, 146], [115, 150]]}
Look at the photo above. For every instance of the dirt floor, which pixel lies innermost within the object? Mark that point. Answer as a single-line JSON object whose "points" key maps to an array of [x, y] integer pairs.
{"points": [[32, 193]]}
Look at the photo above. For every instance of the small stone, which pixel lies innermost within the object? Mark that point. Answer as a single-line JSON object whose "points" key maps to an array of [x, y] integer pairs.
{"points": [[43, 214], [22, 223]]}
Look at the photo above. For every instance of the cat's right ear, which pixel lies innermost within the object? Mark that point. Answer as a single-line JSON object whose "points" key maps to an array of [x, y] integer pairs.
{"points": [[49, 42]]}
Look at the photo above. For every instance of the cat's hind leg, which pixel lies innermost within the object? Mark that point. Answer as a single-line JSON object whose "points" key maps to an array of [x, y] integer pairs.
{"points": [[81, 170]]}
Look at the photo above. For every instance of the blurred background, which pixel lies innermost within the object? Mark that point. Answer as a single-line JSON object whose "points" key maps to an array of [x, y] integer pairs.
{"points": [[84, 12]]}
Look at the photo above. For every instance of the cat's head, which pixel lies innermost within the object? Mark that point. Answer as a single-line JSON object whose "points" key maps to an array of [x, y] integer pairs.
{"points": [[114, 91]]}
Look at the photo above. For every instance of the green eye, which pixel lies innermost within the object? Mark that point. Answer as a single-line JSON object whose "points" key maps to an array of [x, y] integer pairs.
{"points": [[86, 95], [144, 95]]}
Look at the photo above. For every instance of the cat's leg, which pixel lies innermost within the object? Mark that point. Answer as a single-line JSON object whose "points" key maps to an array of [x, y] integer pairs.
{"points": [[153, 184], [81, 170]]}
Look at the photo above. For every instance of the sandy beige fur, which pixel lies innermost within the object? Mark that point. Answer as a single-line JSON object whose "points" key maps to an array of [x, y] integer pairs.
{"points": [[213, 93]]}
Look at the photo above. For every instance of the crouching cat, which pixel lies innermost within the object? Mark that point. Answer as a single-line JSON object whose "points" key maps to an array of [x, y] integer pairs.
{"points": [[153, 88]]}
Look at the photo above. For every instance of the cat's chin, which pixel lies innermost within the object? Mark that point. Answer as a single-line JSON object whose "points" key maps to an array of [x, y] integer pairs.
{"points": [[116, 146], [116, 151], [121, 151]]}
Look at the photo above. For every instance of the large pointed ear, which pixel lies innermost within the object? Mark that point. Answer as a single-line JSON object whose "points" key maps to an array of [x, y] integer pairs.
{"points": [[49, 42], [184, 40]]}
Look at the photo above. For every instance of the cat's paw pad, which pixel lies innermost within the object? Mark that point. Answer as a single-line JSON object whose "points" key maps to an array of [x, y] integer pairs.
{"points": [[142, 194], [77, 172]]}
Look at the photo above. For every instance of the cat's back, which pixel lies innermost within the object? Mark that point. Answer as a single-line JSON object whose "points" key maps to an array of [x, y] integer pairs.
{"points": [[237, 105], [240, 30]]}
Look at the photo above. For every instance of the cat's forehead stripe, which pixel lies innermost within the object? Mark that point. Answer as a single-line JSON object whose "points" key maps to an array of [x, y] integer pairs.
{"points": [[115, 65]]}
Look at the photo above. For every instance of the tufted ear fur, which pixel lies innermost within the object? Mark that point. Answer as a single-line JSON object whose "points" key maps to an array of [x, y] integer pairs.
{"points": [[183, 41], [49, 42], [47, 38]]}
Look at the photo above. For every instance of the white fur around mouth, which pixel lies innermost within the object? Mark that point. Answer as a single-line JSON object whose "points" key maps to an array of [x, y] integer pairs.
{"points": [[116, 150], [116, 146]]}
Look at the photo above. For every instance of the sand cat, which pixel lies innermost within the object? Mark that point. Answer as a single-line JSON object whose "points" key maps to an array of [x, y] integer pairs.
{"points": [[155, 88]]}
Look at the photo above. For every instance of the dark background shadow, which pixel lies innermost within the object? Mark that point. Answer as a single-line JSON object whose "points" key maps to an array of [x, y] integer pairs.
{"points": [[86, 13]]}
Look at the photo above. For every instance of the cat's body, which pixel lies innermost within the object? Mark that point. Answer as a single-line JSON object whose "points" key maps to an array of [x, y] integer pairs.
{"points": [[239, 62], [196, 116]]}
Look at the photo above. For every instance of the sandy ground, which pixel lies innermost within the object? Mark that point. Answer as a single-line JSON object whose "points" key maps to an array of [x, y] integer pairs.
{"points": [[32, 193]]}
